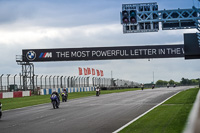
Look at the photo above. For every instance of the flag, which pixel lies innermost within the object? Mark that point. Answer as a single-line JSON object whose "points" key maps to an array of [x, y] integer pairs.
{"points": [[98, 73], [93, 71], [101, 71], [88, 71], [85, 71], [80, 71]]}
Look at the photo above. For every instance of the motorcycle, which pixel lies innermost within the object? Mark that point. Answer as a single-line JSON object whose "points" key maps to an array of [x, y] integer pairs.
{"points": [[0, 111], [142, 86], [97, 92], [0, 114], [167, 85], [153, 86], [55, 102], [64, 97], [174, 85]]}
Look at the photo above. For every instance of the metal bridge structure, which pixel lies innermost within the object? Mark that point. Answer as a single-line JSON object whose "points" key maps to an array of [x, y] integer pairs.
{"points": [[27, 73], [145, 17]]}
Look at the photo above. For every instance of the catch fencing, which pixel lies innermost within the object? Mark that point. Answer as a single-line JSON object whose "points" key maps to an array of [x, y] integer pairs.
{"points": [[14, 82]]}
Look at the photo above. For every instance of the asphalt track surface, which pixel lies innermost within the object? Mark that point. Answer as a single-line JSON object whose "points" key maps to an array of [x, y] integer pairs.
{"points": [[103, 114]]}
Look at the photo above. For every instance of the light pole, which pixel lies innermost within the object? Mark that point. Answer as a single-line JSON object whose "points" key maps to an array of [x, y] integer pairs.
{"points": [[14, 80], [20, 84]]}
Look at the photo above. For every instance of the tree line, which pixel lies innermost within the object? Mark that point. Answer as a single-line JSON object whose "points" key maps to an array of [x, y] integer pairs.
{"points": [[184, 81]]}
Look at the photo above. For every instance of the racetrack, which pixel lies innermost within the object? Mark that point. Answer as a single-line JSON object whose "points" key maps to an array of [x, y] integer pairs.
{"points": [[103, 114]]}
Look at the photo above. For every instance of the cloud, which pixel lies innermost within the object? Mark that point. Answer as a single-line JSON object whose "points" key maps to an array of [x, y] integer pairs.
{"points": [[75, 24], [95, 36]]}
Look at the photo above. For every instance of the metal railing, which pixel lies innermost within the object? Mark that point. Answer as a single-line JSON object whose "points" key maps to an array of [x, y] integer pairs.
{"points": [[14, 82]]}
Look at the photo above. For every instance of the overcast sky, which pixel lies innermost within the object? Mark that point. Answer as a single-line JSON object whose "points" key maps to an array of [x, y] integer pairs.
{"points": [[42, 24]]}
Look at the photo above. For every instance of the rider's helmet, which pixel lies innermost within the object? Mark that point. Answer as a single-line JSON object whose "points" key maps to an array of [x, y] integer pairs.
{"points": [[54, 91]]}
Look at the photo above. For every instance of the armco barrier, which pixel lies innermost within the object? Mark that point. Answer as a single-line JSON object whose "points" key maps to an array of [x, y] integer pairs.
{"points": [[17, 94], [7, 94], [69, 90], [26, 93], [14, 94], [44, 92]]}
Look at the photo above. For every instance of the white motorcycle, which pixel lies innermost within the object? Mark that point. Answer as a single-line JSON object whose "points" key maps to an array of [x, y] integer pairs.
{"points": [[97, 91]]}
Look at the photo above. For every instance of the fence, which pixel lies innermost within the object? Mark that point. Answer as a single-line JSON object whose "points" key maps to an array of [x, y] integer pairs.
{"points": [[14, 82]]}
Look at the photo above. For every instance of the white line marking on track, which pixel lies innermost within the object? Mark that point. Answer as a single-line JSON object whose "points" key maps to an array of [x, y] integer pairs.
{"points": [[143, 114]]}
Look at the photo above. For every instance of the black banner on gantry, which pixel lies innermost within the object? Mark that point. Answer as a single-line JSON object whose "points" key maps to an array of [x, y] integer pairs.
{"points": [[191, 46], [103, 53]]}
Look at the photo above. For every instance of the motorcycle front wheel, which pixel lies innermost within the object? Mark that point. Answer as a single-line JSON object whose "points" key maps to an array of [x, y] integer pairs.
{"points": [[0, 114]]}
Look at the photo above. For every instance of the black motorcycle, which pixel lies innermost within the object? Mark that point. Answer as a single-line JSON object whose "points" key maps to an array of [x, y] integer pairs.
{"points": [[64, 97], [174, 85], [0, 111], [55, 101], [153, 86], [0, 114], [142, 87]]}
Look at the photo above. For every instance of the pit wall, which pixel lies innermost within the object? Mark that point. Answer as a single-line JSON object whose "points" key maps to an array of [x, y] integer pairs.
{"points": [[14, 94], [69, 90]]}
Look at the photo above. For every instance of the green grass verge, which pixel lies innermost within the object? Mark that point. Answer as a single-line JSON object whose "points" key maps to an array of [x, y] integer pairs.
{"points": [[170, 117], [13, 103]]}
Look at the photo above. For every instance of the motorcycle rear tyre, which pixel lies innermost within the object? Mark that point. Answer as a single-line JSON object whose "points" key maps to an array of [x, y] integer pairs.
{"points": [[54, 104]]}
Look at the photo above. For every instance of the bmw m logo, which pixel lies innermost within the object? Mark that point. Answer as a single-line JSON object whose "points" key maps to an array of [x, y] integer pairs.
{"points": [[31, 55], [46, 55]]}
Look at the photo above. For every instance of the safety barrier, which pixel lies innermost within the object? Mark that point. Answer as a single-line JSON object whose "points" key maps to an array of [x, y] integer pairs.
{"points": [[9, 83], [14, 94], [69, 90]]}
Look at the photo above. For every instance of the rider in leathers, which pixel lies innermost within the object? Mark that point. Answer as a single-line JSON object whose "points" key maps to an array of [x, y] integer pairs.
{"points": [[56, 93]]}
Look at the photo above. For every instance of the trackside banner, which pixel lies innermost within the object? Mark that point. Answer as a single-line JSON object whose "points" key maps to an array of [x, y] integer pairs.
{"points": [[103, 53]]}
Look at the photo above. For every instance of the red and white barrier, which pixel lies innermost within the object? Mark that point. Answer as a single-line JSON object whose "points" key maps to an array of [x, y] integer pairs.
{"points": [[14, 94]]}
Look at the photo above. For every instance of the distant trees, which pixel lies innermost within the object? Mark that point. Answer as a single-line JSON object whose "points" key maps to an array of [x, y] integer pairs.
{"points": [[161, 82], [189, 81], [184, 81]]}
